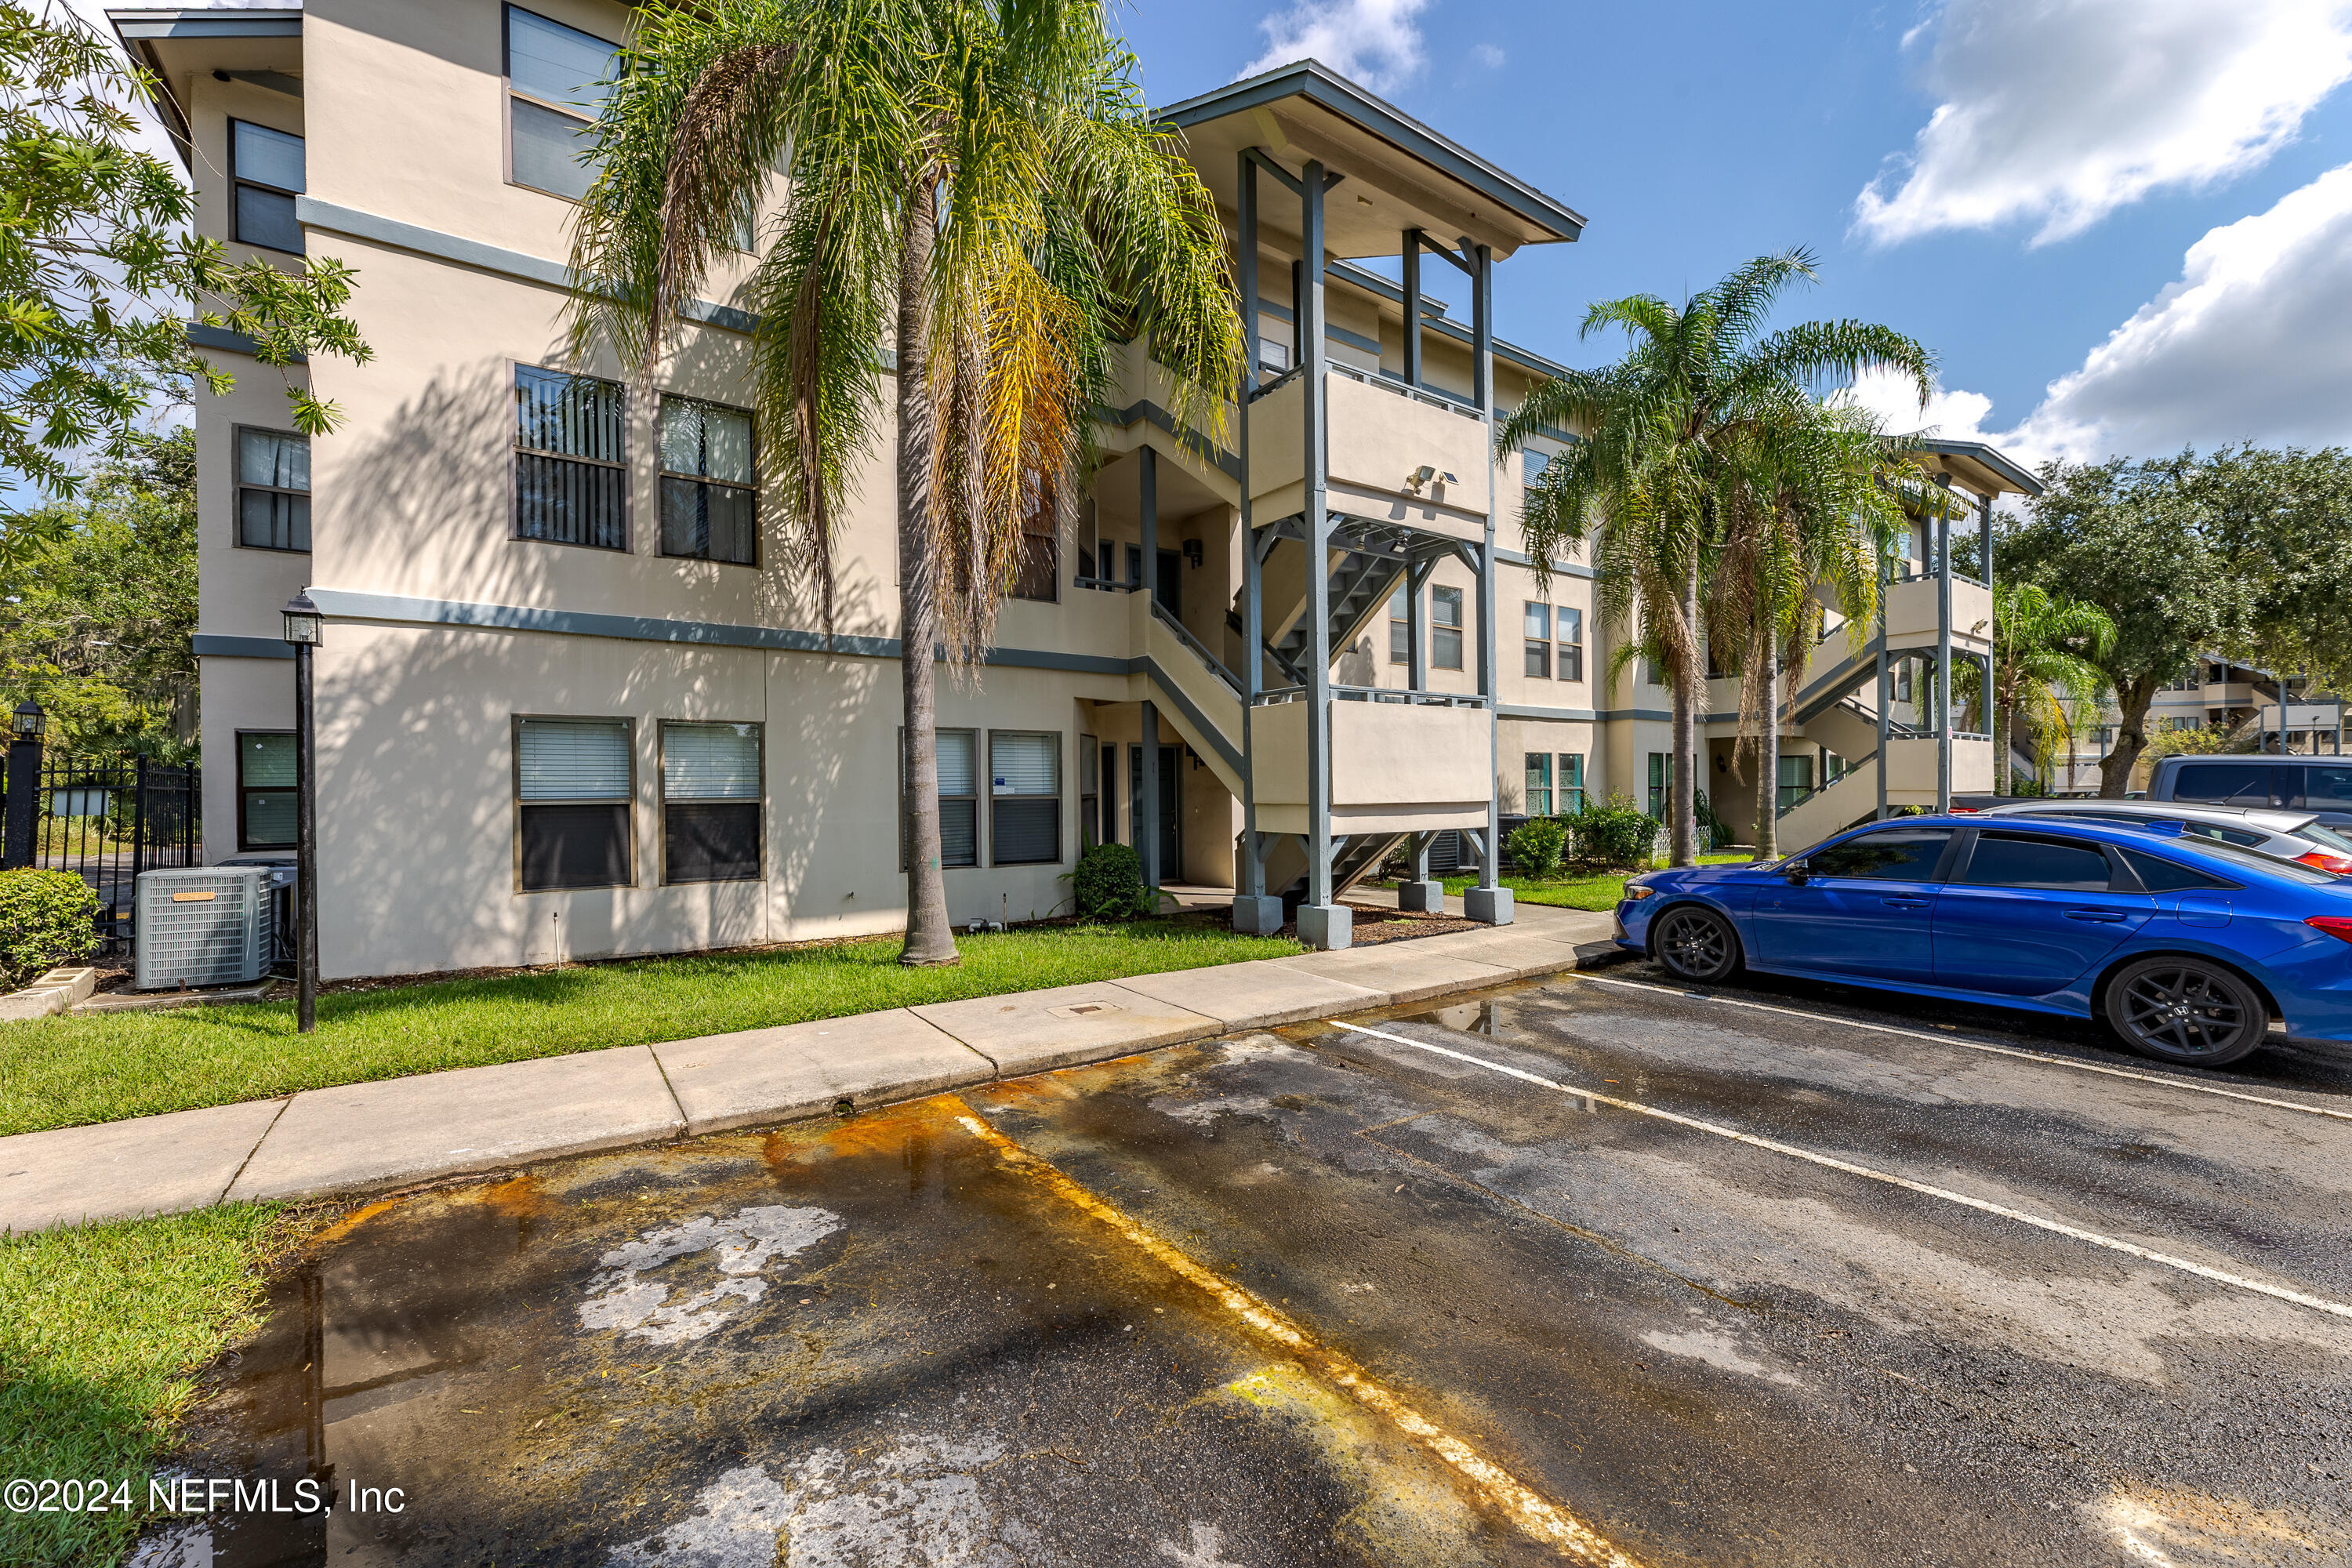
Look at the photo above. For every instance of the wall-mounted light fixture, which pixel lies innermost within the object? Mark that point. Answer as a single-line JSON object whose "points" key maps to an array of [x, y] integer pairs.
{"points": [[1424, 475], [1192, 552]]}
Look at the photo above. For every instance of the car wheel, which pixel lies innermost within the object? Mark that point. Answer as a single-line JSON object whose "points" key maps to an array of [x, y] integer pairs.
{"points": [[1696, 944], [2186, 1010]]}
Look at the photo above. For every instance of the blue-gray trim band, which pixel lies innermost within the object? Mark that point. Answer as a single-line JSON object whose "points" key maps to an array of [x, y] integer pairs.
{"points": [[1560, 568], [1148, 412], [312, 213], [1566, 715], [344, 604], [213, 26], [220, 339], [209, 644]]}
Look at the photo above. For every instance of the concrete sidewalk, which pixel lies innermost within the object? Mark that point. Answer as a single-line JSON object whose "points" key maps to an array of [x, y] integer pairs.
{"points": [[390, 1133]]}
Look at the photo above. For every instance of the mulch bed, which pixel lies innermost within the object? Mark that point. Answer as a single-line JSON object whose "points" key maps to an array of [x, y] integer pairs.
{"points": [[1377, 924]]}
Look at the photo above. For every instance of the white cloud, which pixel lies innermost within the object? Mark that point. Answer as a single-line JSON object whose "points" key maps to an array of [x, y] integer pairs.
{"points": [[1373, 41], [1951, 414], [2059, 113], [1487, 55], [2253, 341]]}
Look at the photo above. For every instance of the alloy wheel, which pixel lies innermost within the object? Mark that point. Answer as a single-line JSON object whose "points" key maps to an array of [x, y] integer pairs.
{"points": [[1694, 945], [2185, 1011]]}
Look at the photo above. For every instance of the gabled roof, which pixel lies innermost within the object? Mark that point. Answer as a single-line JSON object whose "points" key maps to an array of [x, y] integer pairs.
{"points": [[1409, 173]]}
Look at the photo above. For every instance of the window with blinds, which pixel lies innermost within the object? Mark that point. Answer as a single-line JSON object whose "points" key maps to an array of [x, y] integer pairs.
{"points": [[1538, 640], [1571, 643], [557, 81], [1445, 626], [273, 489], [709, 485], [266, 168], [570, 481], [959, 797], [710, 803], [572, 787], [264, 789], [1025, 787]]}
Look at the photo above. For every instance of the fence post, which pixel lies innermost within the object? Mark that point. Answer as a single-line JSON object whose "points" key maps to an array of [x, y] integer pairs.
{"points": [[24, 799], [137, 827]]}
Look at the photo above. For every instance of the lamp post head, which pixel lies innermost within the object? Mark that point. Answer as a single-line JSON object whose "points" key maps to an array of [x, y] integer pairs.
{"points": [[303, 622], [28, 723]]}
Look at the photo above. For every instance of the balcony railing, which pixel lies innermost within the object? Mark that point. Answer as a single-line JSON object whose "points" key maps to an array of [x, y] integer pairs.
{"points": [[1383, 694], [1412, 393]]}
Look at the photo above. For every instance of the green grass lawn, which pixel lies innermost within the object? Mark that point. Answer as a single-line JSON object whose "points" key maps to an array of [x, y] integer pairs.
{"points": [[1598, 890], [102, 1329], [86, 1067]]}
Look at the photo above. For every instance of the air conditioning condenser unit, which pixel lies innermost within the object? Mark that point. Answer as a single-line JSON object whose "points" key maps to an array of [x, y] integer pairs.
{"points": [[204, 925]]}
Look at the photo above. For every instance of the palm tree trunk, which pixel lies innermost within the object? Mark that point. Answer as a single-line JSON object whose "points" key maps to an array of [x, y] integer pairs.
{"points": [[930, 939], [2000, 748], [1683, 797], [1767, 785]]}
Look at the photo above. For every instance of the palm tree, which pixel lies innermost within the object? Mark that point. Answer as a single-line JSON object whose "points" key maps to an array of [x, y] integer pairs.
{"points": [[972, 187], [1823, 507], [2044, 668], [1668, 447]]}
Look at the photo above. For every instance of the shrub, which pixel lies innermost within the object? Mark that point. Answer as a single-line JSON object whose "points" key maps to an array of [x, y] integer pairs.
{"points": [[1537, 846], [1614, 832], [47, 917], [1107, 884]]}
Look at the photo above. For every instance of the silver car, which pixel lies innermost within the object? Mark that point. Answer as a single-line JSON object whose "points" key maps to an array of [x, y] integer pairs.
{"points": [[2298, 836]]}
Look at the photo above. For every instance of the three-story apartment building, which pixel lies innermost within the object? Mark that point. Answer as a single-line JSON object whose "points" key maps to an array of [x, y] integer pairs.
{"points": [[572, 700]]}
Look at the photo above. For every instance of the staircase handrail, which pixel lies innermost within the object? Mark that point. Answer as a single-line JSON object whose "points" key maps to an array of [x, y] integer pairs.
{"points": [[1199, 650], [1852, 768]]}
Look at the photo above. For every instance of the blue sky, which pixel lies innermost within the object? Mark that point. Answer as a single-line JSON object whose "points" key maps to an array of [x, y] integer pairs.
{"points": [[2074, 153]]}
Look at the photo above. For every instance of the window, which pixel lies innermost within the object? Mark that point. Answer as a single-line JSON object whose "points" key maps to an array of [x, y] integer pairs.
{"points": [[1898, 855], [1532, 465], [1538, 783], [266, 168], [1399, 628], [1650, 676], [1089, 792], [1662, 782], [2158, 875], [710, 803], [1037, 575], [1571, 783], [2224, 783], [553, 77], [1903, 688], [574, 782], [1024, 807], [569, 484], [264, 789], [1538, 640], [2322, 789], [273, 489], [1273, 356], [959, 797], [1571, 643], [709, 485], [1796, 780], [1445, 627], [2014, 860]]}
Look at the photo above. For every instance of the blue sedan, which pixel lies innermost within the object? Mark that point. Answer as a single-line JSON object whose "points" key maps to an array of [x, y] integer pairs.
{"points": [[2185, 947]]}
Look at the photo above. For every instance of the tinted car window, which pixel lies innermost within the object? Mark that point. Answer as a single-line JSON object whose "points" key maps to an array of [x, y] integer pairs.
{"points": [[2224, 783], [1902, 855], [2327, 789], [2159, 874], [2014, 860], [2237, 835]]}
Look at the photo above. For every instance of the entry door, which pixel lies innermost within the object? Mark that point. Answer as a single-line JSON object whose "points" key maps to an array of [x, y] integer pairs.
{"points": [[2026, 915], [1172, 859], [1864, 908]]}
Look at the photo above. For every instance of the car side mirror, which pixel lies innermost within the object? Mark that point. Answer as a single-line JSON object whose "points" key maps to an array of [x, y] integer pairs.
{"points": [[1797, 870]]}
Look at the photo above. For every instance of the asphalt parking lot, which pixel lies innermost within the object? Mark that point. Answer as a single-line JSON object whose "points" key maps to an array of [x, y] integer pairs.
{"points": [[1595, 1269]]}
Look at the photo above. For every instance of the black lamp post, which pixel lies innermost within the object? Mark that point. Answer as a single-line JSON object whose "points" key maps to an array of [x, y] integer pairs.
{"points": [[24, 797], [303, 626]]}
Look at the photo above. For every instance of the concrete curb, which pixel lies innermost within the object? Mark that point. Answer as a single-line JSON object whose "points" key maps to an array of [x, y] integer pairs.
{"points": [[396, 1132], [52, 994]]}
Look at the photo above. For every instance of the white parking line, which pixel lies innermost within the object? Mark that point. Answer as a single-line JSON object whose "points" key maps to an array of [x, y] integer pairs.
{"points": [[1975, 1045], [2056, 1228]]}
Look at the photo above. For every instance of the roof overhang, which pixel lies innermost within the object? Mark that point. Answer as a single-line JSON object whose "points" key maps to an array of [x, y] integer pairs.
{"points": [[259, 43], [1400, 174], [1982, 468]]}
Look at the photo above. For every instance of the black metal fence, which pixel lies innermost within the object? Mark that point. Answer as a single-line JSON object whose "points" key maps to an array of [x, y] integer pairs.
{"points": [[106, 819]]}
